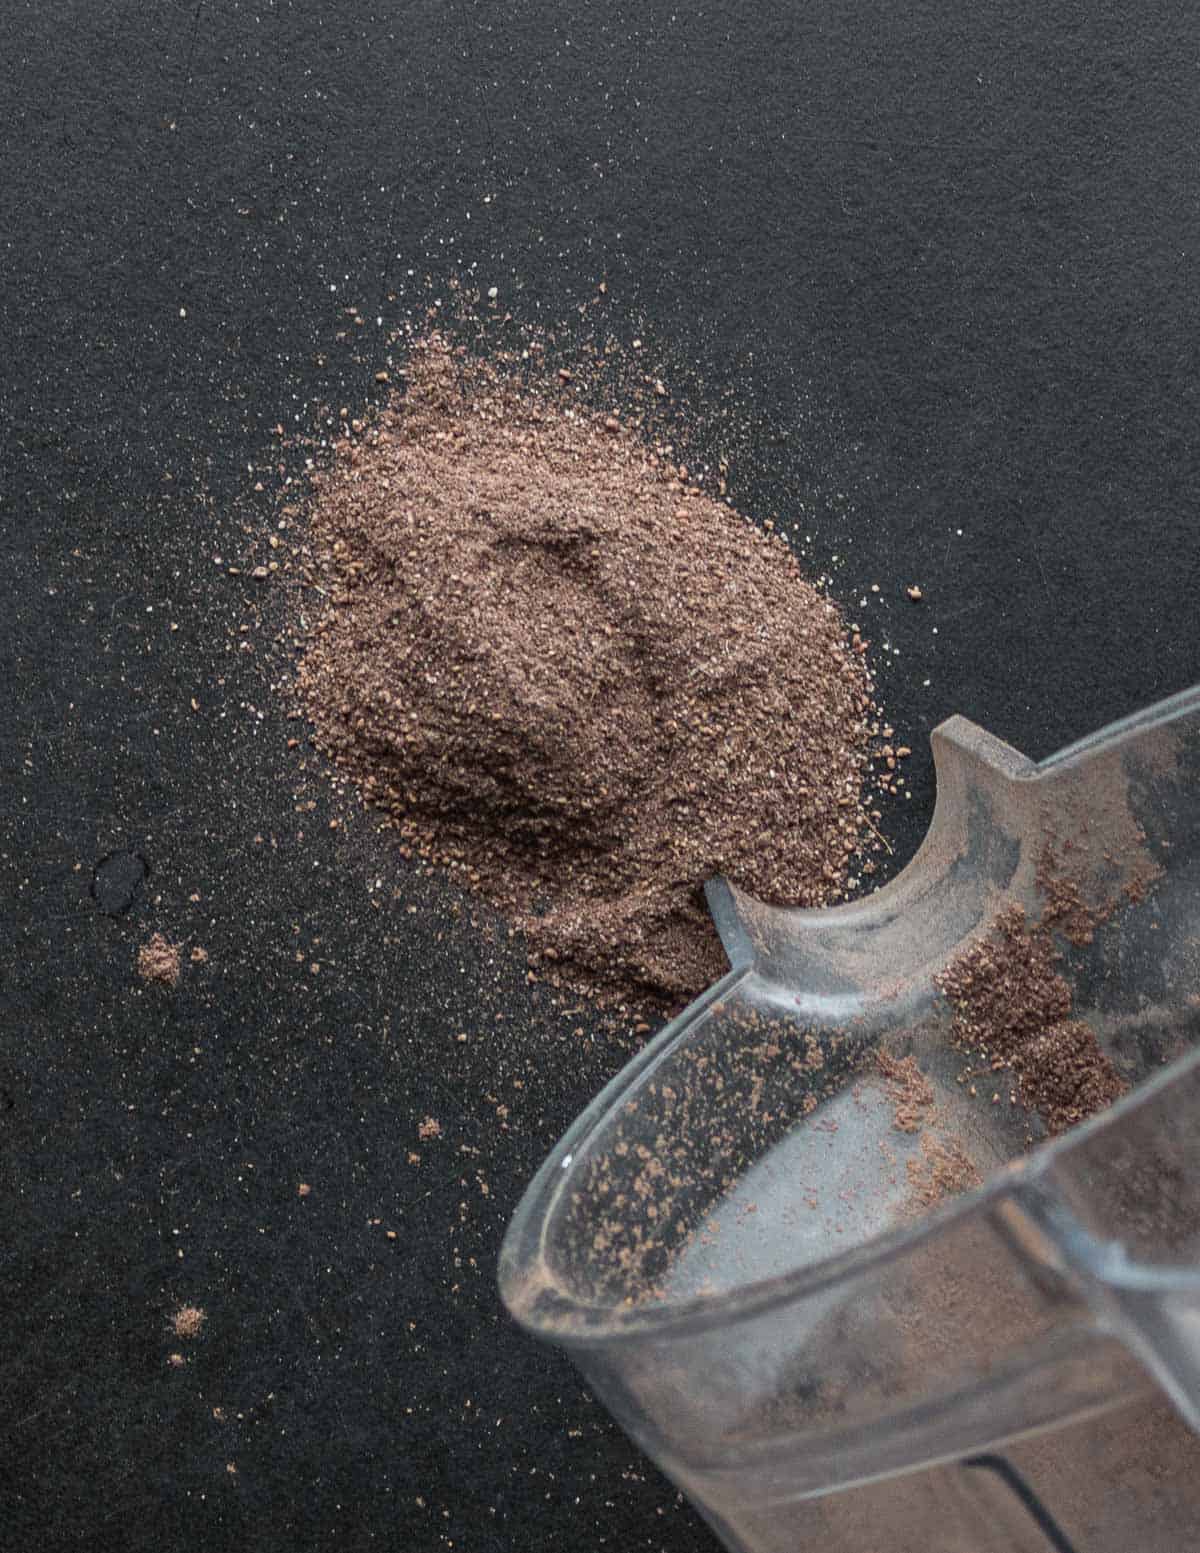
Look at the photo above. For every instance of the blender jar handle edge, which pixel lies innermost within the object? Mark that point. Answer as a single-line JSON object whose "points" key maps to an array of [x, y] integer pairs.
{"points": [[1152, 1308]]}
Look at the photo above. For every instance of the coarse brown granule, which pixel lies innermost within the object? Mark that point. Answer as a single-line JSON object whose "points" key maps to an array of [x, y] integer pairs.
{"points": [[187, 1321], [575, 679], [429, 1128], [176, 1361], [1011, 1003], [158, 961], [908, 1089]]}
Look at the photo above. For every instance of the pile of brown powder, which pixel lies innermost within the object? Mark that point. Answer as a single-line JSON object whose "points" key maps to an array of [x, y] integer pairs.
{"points": [[576, 679], [1011, 1002]]}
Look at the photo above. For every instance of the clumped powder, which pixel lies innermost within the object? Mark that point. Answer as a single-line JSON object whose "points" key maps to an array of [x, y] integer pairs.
{"points": [[1012, 1003], [158, 961], [188, 1321], [576, 678]]}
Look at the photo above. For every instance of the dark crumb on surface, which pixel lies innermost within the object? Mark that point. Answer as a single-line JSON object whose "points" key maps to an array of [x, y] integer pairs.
{"points": [[158, 962], [187, 1321]]}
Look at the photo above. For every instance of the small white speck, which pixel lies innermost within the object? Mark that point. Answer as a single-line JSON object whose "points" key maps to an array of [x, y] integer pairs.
{"points": [[567, 1161], [183, 312]]}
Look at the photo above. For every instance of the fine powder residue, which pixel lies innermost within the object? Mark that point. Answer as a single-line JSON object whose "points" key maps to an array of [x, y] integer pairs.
{"points": [[942, 1169], [576, 679], [1011, 1002], [158, 961]]}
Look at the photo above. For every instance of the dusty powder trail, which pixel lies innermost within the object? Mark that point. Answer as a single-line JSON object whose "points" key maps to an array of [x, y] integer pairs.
{"points": [[576, 679]]}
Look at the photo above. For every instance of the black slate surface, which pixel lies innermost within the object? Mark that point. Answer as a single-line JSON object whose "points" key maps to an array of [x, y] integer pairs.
{"points": [[943, 260]]}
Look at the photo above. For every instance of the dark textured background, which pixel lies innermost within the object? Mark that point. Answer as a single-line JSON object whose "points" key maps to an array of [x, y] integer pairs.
{"points": [[943, 261]]}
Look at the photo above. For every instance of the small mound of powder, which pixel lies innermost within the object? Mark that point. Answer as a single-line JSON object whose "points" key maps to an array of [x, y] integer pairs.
{"points": [[158, 961], [187, 1321], [577, 680]]}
